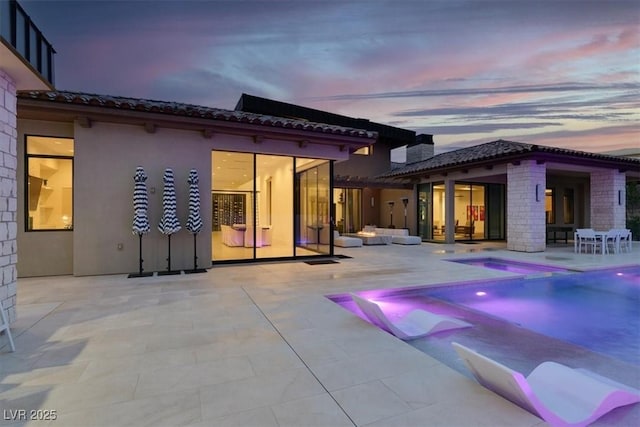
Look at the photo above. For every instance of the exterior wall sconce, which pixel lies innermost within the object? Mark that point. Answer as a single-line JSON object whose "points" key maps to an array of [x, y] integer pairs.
{"points": [[619, 197]]}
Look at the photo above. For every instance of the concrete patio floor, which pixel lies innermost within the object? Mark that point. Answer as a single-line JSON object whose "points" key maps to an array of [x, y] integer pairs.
{"points": [[251, 345]]}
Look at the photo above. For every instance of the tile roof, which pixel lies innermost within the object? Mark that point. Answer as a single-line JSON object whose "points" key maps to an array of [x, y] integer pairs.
{"points": [[350, 181], [189, 110], [497, 150]]}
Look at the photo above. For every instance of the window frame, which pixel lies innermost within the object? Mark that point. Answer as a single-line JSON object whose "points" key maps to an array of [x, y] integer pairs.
{"points": [[28, 156]]}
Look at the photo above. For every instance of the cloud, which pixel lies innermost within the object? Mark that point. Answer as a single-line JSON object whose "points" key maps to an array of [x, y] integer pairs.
{"points": [[476, 128], [587, 109], [559, 87], [597, 139]]}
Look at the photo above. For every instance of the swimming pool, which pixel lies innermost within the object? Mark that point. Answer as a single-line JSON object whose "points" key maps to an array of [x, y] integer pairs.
{"points": [[598, 311], [509, 265]]}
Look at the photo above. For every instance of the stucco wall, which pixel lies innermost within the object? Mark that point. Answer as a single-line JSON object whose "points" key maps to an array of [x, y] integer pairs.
{"points": [[525, 212], [8, 196], [41, 253], [387, 195], [106, 157], [366, 166]]}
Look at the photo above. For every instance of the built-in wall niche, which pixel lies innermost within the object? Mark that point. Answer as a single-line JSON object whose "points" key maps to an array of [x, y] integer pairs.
{"points": [[228, 209]]}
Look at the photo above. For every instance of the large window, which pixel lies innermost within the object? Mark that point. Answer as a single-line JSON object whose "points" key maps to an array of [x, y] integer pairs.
{"points": [[49, 198], [550, 206]]}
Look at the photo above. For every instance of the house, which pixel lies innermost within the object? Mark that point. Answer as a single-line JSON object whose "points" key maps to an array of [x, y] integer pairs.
{"points": [[521, 193], [361, 196], [26, 63], [265, 183]]}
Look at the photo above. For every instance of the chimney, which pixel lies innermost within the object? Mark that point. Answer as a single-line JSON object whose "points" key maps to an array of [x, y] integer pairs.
{"points": [[420, 150]]}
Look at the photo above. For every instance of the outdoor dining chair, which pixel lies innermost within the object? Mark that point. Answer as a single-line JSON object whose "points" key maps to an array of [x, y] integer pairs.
{"points": [[4, 326], [612, 241], [624, 241], [587, 239]]}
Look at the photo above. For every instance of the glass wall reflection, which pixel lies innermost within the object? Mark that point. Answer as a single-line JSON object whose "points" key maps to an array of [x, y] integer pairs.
{"points": [[313, 182], [348, 202]]}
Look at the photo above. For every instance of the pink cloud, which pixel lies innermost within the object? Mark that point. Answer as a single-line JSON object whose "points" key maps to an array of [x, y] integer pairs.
{"points": [[583, 45]]}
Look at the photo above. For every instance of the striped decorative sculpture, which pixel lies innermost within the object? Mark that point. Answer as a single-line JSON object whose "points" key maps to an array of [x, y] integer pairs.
{"points": [[169, 223], [194, 221], [141, 216]]}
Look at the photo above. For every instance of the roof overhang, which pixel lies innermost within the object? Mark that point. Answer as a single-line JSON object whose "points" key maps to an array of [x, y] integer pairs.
{"points": [[572, 162], [85, 115], [21, 71]]}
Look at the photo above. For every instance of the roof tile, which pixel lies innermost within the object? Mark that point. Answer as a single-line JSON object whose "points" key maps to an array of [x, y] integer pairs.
{"points": [[494, 150], [180, 109]]}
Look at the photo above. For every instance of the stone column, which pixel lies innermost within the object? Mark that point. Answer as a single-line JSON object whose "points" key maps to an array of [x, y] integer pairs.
{"points": [[526, 228], [608, 199], [8, 195]]}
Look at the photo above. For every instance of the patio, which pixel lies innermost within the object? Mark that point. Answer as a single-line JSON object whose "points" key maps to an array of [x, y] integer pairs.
{"points": [[251, 345]]}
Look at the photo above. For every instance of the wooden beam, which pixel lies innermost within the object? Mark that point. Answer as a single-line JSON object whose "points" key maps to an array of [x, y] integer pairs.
{"points": [[207, 133], [303, 143], [257, 139], [150, 127], [84, 122]]}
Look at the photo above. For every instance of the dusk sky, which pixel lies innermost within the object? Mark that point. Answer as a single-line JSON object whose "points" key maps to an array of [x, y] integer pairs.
{"points": [[563, 73]]}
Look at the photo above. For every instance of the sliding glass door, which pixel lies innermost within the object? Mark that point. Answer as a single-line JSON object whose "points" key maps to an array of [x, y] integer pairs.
{"points": [[266, 206], [313, 216]]}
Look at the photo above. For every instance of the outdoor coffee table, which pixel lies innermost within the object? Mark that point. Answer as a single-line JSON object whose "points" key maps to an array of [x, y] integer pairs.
{"points": [[372, 239]]}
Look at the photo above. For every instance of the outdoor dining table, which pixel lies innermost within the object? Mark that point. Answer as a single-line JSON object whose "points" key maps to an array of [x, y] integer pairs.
{"points": [[601, 237]]}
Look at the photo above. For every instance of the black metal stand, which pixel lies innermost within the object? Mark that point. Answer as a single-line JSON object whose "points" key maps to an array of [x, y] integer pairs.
{"points": [[140, 272], [405, 202], [169, 271], [195, 259]]}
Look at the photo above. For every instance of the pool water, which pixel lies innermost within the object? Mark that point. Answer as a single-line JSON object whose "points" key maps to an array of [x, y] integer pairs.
{"points": [[598, 311], [509, 265]]}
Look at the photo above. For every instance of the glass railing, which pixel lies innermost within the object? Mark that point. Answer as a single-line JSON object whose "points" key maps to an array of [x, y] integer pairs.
{"points": [[17, 30]]}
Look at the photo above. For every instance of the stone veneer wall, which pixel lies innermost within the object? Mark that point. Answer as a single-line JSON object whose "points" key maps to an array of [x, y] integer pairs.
{"points": [[8, 195], [526, 228], [606, 212]]}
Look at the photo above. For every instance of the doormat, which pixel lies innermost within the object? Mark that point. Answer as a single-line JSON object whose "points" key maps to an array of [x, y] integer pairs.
{"points": [[469, 243], [343, 256], [321, 261]]}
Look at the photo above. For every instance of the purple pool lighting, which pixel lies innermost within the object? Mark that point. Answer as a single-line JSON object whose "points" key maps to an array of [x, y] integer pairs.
{"points": [[597, 310], [509, 265]]}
